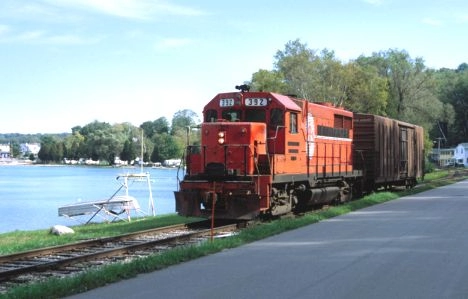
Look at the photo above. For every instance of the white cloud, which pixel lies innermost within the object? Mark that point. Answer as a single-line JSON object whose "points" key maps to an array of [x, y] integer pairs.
{"points": [[42, 37], [133, 9], [70, 39], [432, 22], [172, 43], [30, 11], [31, 35], [4, 29], [374, 2], [462, 18]]}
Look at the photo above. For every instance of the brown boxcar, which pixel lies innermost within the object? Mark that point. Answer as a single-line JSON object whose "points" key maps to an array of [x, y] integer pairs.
{"points": [[389, 152]]}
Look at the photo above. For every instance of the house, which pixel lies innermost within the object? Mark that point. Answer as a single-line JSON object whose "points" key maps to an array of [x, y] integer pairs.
{"points": [[443, 156], [5, 152], [30, 148], [461, 154], [172, 162]]}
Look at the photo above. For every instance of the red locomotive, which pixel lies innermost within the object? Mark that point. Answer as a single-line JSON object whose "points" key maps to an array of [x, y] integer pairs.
{"points": [[266, 154]]}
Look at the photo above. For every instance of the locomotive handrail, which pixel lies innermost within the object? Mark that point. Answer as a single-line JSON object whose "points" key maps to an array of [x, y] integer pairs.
{"points": [[272, 166], [276, 132]]}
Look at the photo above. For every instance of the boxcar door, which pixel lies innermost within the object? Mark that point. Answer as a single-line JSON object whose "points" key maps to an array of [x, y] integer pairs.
{"points": [[403, 152]]}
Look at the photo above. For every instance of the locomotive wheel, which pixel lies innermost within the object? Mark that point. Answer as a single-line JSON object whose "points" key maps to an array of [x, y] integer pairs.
{"points": [[346, 193]]}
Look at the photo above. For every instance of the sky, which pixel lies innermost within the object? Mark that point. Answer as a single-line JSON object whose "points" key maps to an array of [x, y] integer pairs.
{"points": [[67, 63]]}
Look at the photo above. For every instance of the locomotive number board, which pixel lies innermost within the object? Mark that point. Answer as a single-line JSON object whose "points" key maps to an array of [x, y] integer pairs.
{"points": [[228, 102], [256, 102]]}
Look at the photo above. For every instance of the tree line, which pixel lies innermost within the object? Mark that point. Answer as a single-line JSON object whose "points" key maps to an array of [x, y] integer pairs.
{"points": [[389, 83], [103, 142]]}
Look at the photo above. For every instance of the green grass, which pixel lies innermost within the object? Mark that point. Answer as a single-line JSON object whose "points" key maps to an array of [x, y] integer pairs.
{"points": [[56, 288], [18, 241]]}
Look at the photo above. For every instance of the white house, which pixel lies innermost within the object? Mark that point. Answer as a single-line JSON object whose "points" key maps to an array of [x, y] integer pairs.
{"points": [[30, 148], [172, 162], [461, 154], [5, 151]]}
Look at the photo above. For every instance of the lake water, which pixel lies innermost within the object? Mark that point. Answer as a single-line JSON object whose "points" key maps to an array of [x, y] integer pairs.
{"points": [[31, 195]]}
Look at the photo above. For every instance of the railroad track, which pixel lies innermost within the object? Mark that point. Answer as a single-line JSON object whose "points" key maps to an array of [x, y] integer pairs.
{"points": [[74, 257]]}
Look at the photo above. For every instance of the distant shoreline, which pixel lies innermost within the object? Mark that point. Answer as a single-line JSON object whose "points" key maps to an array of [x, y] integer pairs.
{"points": [[12, 162], [15, 162]]}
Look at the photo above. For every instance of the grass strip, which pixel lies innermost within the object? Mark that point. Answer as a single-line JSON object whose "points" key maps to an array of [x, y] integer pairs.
{"points": [[18, 241]]}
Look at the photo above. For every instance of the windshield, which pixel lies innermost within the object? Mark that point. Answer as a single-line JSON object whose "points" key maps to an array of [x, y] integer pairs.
{"points": [[255, 115], [231, 115]]}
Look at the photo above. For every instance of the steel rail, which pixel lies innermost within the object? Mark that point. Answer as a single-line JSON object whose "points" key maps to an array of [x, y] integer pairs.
{"points": [[66, 258], [88, 243]]}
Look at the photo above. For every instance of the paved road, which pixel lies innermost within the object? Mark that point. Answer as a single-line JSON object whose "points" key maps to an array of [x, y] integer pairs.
{"points": [[414, 247]]}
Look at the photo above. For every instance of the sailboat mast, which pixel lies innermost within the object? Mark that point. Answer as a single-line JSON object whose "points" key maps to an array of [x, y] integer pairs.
{"points": [[141, 153]]}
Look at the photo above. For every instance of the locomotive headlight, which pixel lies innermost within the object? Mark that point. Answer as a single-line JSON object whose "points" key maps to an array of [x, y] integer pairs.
{"points": [[221, 136]]}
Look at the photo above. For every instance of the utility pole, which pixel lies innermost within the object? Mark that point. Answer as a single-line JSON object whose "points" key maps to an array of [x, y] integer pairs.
{"points": [[438, 150]]}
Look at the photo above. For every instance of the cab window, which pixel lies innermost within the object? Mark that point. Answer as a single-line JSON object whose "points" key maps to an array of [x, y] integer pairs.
{"points": [[255, 115], [211, 115], [276, 118], [293, 123]]}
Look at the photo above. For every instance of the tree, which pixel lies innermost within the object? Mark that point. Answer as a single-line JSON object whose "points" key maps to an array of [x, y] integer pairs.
{"points": [[271, 81], [104, 142], [410, 84], [74, 144], [101, 145], [15, 149], [165, 147], [94, 127], [159, 126], [129, 151], [330, 79], [295, 65], [411, 87], [315, 77], [459, 100], [367, 91], [51, 150], [462, 67], [183, 119], [450, 91]]}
